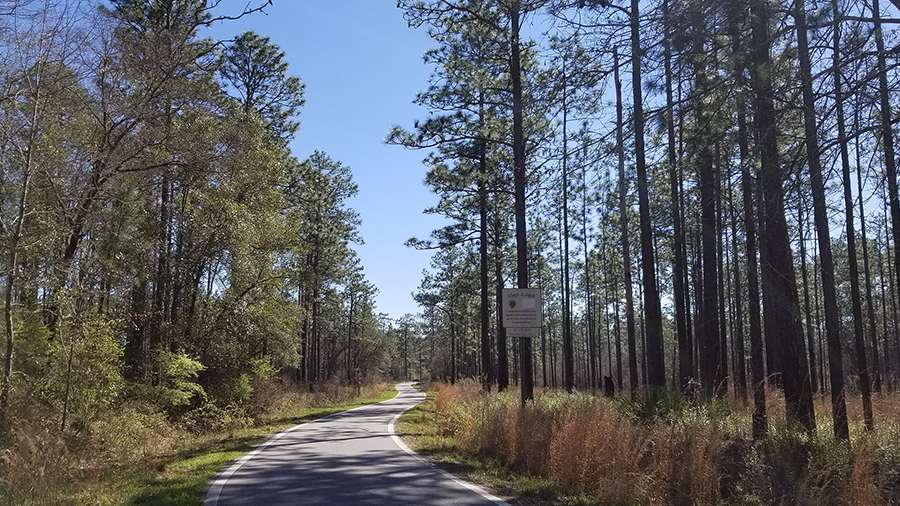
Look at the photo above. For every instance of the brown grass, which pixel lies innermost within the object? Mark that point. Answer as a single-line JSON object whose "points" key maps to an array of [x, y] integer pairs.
{"points": [[41, 466], [701, 455], [38, 460], [272, 399], [598, 450]]}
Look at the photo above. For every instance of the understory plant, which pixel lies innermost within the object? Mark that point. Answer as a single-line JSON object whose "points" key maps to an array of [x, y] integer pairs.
{"points": [[659, 448]]}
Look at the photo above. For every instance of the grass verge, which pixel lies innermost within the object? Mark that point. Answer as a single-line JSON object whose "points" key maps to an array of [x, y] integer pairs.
{"points": [[576, 449], [419, 430], [131, 457], [181, 479]]}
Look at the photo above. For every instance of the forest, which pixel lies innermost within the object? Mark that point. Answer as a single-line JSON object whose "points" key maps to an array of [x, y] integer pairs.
{"points": [[163, 250], [709, 191], [705, 193]]}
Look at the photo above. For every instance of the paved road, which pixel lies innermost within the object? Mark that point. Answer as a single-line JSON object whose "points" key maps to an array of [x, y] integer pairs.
{"points": [[347, 459]]}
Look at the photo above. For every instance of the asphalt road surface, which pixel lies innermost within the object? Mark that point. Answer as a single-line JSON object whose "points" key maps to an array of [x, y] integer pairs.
{"points": [[346, 459]]}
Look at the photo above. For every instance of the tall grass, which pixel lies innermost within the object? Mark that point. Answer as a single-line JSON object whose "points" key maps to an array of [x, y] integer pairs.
{"points": [[662, 449], [124, 455]]}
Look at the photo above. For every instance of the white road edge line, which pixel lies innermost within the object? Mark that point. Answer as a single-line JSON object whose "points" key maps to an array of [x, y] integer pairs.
{"points": [[474, 488], [215, 489]]}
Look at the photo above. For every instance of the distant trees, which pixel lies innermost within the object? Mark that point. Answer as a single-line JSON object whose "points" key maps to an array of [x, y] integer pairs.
{"points": [[317, 190]]}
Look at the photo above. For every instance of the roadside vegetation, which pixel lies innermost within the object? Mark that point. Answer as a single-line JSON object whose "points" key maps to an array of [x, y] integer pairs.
{"points": [[133, 456], [582, 449], [177, 284]]}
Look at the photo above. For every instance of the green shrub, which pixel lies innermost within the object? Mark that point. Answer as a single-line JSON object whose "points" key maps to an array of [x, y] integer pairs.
{"points": [[653, 405], [213, 418], [83, 376], [175, 389]]}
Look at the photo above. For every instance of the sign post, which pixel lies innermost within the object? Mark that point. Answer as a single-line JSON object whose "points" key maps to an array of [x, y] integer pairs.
{"points": [[522, 314]]}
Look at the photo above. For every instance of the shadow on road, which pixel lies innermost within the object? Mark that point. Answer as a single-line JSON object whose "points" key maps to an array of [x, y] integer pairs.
{"points": [[345, 459]]}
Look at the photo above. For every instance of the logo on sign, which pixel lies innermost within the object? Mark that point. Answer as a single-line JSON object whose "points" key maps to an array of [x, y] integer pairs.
{"points": [[512, 304]]}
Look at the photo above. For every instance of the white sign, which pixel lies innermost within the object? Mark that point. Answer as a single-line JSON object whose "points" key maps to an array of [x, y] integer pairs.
{"points": [[522, 308], [531, 332]]}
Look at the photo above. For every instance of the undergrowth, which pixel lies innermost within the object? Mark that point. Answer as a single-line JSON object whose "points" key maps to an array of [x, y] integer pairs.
{"points": [[659, 448], [134, 454]]}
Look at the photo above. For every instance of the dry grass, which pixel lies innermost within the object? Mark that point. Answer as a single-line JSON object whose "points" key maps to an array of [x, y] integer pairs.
{"points": [[274, 399], [33, 466], [666, 452], [598, 450], [44, 466], [130, 444]]}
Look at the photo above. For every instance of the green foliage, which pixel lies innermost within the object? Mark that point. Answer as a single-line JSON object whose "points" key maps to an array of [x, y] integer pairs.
{"points": [[178, 375], [33, 344], [161, 14], [175, 386], [256, 70], [263, 369], [237, 389], [84, 372], [252, 336], [653, 405]]}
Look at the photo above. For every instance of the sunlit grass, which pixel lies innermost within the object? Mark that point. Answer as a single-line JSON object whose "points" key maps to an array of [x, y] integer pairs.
{"points": [[175, 469], [418, 429], [655, 449], [183, 480]]}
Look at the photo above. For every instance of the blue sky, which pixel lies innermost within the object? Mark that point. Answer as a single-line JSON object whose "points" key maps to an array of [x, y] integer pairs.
{"points": [[362, 67]]}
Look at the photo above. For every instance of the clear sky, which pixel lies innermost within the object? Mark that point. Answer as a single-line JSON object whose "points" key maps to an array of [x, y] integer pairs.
{"points": [[362, 67]]}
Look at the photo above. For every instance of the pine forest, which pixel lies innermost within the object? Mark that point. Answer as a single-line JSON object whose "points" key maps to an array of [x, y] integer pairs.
{"points": [[704, 192]]}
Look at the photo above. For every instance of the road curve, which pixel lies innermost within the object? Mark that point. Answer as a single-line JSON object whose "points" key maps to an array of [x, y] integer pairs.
{"points": [[346, 459]]}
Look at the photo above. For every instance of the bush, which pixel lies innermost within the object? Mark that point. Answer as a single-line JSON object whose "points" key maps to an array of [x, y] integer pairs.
{"points": [[175, 389], [83, 376], [212, 418]]}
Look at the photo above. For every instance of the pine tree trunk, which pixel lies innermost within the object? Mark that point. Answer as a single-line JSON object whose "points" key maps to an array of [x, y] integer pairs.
{"points": [[740, 358], [685, 363], [887, 136], [820, 217], [870, 306], [882, 250], [568, 350], [487, 377], [804, 272], [588, 295], [623, 222], [350, 338], [782, 306], [502, 355], [708, 323], [722, 369], [519, 176], [856, 304], [656, 370], [540, 277]]}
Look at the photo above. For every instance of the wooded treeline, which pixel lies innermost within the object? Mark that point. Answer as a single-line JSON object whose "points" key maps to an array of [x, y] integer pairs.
{"points": [[160, 242], [710, 196]]}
